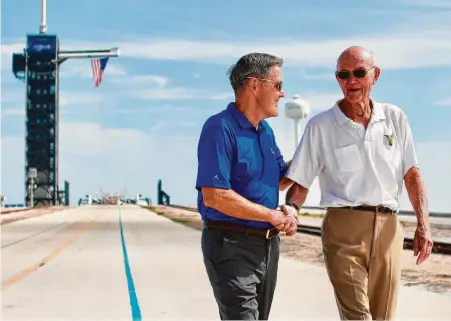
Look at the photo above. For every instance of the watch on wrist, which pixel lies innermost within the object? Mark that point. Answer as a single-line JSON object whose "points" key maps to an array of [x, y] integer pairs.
{"points": [[296, 206]]}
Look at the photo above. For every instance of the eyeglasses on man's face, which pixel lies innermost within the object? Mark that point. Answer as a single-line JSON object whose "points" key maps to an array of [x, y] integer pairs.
{"points": [[277, 84]]}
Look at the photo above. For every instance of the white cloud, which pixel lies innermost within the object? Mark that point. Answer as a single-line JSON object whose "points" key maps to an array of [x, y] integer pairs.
{"points": [[15, 111], [177, 93], [439, 4], [12, 100], [223, 96], [80, 98], [12, 96], [156, 87], [82, 68], [145, 80], [159, 125], [188, 123], [9, 49], [394, 51], [445, 102], [90, 140], [6, 57]]}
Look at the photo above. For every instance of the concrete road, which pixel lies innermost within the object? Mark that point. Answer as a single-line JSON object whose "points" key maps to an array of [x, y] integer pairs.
{"points": [[110, 263]]}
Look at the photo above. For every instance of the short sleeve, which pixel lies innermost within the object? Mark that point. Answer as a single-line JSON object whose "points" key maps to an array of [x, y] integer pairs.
{"points": [[409, 155], [214, 157], [305, 164], [279, 157], [281, 162]]}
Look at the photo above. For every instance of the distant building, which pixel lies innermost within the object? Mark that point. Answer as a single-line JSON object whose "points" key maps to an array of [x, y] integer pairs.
{"points": [[3, 200]]}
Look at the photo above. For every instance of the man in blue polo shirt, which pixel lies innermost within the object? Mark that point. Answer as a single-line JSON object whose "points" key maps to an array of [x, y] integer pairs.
{"points": [[239, 173]]}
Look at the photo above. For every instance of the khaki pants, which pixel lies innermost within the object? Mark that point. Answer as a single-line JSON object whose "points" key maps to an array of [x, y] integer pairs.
{"points": [[362, 251]]}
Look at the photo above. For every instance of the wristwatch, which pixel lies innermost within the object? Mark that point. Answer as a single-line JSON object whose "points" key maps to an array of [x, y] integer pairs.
{"points": [[296, 206]]}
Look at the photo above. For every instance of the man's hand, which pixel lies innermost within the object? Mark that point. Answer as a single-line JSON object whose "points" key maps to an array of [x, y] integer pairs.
{"points": [[291, 225], [278, 219], [422, 243]]}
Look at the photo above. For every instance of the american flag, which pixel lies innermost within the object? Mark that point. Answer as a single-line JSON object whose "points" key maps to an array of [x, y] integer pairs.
{"points": [[98, 67]]}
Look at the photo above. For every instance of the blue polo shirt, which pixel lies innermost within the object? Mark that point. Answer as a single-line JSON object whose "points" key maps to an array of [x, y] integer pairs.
{"points": [[233, 154]]}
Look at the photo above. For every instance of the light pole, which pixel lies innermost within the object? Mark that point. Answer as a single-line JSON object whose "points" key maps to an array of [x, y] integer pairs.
{"points": [[297, 109]]}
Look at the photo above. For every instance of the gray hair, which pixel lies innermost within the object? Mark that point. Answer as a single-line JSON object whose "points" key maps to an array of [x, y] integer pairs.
{"points": [[252, 65]]}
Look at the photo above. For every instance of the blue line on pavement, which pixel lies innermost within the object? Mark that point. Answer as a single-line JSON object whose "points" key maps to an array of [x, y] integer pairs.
{"points": [[33, 235], [136, 312]]}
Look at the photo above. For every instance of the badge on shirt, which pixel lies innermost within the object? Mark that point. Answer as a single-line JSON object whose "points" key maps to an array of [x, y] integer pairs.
{"points": [[390, 139]]}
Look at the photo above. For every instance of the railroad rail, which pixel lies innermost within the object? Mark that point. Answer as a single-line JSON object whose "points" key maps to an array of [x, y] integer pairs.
{"points": [[439, 247]]}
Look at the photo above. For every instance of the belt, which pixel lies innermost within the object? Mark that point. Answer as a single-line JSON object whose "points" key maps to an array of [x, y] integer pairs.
{"points": [[377, 209], [220, 225]]}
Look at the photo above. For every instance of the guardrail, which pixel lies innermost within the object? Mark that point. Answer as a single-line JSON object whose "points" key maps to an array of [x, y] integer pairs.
{"points": [[439, 247]]}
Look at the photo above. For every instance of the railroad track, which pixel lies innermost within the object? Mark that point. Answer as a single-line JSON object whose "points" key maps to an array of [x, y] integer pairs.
{"points": [[439, 247]]}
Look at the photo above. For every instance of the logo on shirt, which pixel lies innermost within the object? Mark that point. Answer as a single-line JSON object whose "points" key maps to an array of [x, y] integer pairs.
{"points": [[216, 177], [390, 139]]}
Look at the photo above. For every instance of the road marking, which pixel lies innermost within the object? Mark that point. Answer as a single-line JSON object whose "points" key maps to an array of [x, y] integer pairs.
{"points": [[136, 312], [24, 273]]}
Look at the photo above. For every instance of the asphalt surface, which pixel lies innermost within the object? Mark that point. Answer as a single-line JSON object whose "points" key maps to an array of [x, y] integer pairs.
{"points": [[126, 263]]}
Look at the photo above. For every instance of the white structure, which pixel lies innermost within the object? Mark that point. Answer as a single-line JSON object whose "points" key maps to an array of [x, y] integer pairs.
{"points": [[140, 201], [297, 109], [3, 200]]}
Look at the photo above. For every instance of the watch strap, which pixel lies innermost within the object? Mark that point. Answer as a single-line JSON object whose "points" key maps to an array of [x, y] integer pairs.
{"points": [[296, 206]]}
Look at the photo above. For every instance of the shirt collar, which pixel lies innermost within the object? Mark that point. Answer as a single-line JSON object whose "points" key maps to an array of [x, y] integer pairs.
{"points": [[341, 118], [378, 112], [241, 119]]}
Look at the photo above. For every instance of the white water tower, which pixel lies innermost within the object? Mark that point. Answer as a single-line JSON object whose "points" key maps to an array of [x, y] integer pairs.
{"points": [[297, 109]]}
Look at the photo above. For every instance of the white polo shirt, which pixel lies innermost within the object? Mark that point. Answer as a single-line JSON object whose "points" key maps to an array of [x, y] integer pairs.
{"points": [[356, 166]]}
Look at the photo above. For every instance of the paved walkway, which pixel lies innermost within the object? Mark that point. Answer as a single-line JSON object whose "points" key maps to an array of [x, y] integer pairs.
{"points": [[105, 263]]}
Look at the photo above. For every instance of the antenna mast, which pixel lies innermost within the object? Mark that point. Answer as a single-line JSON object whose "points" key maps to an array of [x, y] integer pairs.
{"points": [[43, 26]]}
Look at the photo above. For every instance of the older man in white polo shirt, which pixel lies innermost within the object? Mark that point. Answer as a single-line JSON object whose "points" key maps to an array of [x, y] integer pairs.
{"points": [[362, 151]]}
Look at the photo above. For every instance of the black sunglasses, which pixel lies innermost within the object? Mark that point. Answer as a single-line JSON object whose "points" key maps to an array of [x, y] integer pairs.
{"points": [[358, 73]]}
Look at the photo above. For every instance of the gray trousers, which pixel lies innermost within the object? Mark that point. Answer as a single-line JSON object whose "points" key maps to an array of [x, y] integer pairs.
{"points": [[242, 270]]}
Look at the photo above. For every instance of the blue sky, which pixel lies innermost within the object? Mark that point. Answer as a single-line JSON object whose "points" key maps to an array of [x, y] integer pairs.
{"points": [[143, 123]]}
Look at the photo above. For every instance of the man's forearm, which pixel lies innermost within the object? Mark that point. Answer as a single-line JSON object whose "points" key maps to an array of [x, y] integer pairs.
{"points": [[233, 204], [296, 194], [417, 196], [284, 183]]}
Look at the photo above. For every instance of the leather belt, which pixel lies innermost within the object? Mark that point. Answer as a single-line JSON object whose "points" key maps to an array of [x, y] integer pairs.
{"points": [[377, 209], [220, 225]]}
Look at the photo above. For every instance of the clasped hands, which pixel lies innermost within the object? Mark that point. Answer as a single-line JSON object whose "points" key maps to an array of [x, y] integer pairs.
{"points": [[286, 220]]}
